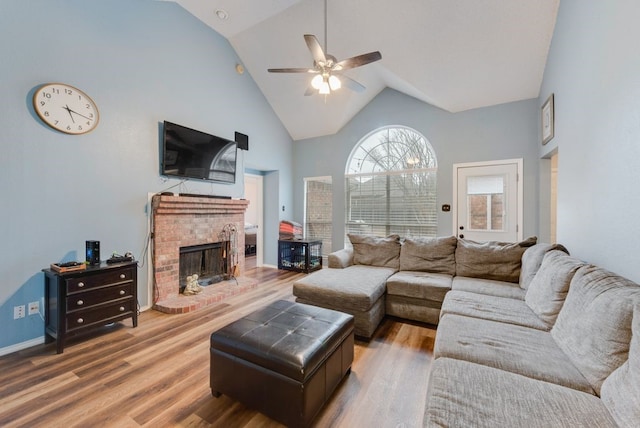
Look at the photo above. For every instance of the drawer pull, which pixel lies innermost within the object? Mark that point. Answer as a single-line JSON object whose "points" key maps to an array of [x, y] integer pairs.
{"points": [[80, 284], [80, 320], [122, 292], [121, 308], [80, 302], [122, 276]]}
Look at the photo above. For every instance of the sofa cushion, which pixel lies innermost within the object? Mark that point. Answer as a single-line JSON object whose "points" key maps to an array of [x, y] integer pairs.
{"points": [[376, 251], [621, 390], [502, 309], [522, 350], [463, 394], [548, 290], [488, 287], [498, 261], [436, 255], [355, 287], [594, 324], [421, 285], [532, 259]]}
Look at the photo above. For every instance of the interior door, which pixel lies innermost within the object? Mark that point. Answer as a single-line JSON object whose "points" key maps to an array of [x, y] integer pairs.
{"points": [[488, 199]]}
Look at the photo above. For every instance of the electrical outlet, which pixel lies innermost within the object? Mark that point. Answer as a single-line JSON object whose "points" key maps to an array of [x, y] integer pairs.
{"points": [[34, 308], [18, 312]]}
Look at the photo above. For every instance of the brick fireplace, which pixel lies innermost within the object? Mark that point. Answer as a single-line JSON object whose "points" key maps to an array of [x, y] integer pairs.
{"points": [[187, 221]]}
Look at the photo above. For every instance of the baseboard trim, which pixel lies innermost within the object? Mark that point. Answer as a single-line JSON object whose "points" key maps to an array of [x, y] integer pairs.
{"points": [[20, 346]]}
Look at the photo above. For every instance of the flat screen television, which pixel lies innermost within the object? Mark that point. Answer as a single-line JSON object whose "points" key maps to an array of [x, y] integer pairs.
{"points": [[187, 153]]}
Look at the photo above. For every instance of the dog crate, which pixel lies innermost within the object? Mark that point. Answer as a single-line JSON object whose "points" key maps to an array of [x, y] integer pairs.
{"points": [[300, 255]]}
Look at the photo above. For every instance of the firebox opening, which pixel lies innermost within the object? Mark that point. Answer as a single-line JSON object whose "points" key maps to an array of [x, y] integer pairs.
{"points": [[208, 261]]}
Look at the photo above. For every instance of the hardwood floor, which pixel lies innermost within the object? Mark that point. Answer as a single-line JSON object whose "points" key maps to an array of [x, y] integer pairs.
{"points": [[158, 373]]}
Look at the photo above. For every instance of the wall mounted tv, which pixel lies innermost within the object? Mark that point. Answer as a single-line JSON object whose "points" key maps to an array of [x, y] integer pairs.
{"points": [[187, 153]]}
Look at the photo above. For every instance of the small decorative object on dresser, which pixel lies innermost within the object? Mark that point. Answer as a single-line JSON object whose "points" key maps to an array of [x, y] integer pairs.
{"points": [[78, 301]]}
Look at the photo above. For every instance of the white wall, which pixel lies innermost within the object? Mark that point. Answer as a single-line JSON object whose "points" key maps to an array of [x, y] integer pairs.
{"points": [[142, 62], [502, 132], [594, 71]]}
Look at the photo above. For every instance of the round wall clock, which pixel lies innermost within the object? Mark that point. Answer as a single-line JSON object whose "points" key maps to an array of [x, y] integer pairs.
{"points": [[65, 108]]}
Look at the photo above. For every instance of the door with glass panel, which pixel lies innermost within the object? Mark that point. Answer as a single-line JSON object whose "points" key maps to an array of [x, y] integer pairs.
{"points": [[488, 203]]}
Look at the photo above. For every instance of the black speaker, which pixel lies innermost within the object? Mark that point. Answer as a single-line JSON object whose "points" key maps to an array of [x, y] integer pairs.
{"points": [[93, 252], [242, 140]]}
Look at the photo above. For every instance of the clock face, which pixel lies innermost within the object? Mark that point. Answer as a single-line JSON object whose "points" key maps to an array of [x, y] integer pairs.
{"points": [[65, 108]]}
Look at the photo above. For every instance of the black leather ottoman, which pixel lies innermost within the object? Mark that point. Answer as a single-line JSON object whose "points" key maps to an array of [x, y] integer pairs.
{"points": [[284, 360]]}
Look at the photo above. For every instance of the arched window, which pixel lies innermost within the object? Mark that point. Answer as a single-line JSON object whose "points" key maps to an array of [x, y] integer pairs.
{"points": [[391, 184]]}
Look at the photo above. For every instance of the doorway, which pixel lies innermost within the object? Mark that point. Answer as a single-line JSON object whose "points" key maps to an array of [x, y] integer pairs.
{"points": [[488, 200], [254, 221]]}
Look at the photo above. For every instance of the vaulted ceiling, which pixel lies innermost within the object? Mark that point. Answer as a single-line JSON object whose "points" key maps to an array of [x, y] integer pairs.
{"points": [[454, 54]]}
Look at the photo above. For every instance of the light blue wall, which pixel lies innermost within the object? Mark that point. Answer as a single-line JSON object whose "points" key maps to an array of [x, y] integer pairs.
{"points": [[594, 71], [507, 131], [142, 62]]}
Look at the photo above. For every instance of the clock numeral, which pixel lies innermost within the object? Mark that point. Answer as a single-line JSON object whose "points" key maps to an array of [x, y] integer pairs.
{"points": [[46, 113], [68, 127], [56, 122], [55, 90], [46, 95], [91, 115], [42, 103], [79, 127], [68, 91], [88, 123], [88, 105]]}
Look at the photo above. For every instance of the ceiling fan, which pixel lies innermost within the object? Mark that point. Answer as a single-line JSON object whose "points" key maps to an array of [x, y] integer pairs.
{"points": [[327, 69]]}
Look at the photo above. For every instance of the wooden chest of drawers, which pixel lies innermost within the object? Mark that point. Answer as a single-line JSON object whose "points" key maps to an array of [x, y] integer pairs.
{"points": [[76, 302]]}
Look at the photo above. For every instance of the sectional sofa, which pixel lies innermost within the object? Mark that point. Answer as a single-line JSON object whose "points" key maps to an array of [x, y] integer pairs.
{"points": [[410, 277], [528, 336]]}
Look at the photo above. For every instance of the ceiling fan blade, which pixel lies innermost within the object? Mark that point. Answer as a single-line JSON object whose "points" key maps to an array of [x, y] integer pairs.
{"points": [[358, 61], [291, 70], [315, 48], [351, 84]]}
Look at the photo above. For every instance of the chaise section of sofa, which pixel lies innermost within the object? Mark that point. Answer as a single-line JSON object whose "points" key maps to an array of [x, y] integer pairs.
{"points": [[358, 285]]}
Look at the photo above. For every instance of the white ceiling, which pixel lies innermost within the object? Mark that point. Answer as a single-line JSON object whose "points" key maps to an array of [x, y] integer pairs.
{"points": [[454, 54]]}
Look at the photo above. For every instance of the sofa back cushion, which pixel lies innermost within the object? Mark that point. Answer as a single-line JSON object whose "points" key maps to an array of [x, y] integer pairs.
{"points": [[532, 259], [499, 261], [548, 290], [376, 251], [621, 391], [435, 255], [594, 325]]}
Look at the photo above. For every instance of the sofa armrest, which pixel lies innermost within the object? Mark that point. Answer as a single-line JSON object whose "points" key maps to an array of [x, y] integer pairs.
{"points": [[341, 259]]}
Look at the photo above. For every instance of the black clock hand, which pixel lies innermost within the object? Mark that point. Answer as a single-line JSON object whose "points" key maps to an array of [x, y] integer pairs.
{"points": [[82, 115], [69, 111]]}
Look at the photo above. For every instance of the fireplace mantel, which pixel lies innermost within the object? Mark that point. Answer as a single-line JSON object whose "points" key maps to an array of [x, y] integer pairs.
{"points": [[182, 221]]}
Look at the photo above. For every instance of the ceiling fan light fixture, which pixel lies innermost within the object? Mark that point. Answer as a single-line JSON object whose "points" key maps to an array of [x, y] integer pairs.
{"points": [[316, 82], [324, 88], [334, 83]]}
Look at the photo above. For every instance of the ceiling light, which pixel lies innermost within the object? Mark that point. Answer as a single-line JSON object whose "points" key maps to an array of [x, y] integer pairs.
{"points": [[324, 88], [334, 83], [316, 82], [222, 14]]}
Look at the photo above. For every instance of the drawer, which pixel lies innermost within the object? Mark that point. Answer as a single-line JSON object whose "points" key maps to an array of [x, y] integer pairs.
{"points": [[99, 295], [102, 279], [100, 314]]}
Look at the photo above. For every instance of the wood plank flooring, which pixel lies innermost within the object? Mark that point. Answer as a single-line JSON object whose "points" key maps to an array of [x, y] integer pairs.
{"points": [[157, 374]]}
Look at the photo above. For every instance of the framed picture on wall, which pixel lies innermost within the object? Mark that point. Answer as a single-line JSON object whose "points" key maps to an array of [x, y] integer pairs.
{"points": [[547, 120]]}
